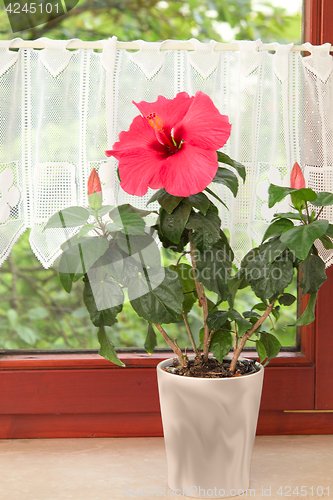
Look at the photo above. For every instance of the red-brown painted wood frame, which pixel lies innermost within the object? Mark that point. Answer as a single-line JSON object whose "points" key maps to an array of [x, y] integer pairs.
{"points": [[317, 20], [82, 395]]}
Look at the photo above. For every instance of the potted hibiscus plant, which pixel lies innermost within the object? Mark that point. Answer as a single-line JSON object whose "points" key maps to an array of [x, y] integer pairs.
{"points": [[209, 402]]}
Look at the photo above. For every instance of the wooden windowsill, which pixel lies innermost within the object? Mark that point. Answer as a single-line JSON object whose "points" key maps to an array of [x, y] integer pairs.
{"points": [[83, 360]]}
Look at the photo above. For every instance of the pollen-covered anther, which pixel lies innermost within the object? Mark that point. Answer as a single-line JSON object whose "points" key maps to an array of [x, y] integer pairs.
{"points": [[155, 121]]}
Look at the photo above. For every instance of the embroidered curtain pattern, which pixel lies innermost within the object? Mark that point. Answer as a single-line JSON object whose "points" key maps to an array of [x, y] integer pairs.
{"points": [[61, 109]]}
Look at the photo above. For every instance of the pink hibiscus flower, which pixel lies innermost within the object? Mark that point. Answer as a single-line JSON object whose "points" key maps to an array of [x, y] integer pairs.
{"points": [[172, 145]]}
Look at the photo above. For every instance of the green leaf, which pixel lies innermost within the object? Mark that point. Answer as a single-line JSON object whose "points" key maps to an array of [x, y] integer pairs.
{"points": [[276, 312], [286, 299], [107, 293], [329, 231], [267, 279], [184, 239], [185, 274], [235, 283], [111, 263], [277, 193], [223, 158], [27, 334], [243, 325], [84, 230], [172, 225], [216, 197], [216, 320], [107, 348], [132, 224], [272, 345], [314, 275], [206, 229], [130, 269], [252, 315], [98, 317], [123, 217], [326, 241], [128, 209], [308, 315], [301, 238], [142, 248], [199, 201], [323, 199], [68, 217], [274, 249], [163, 304], [166, 200], [227, 178], [103, 210], [80, 254], [214, 268], [277, 227], [261, 350], [150, 342], [220, 344], [288, 215], [260, 306], [66, 281], [300, 196]]}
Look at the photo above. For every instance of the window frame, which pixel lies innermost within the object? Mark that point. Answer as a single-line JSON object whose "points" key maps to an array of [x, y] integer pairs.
{"points": [[83, 395]]}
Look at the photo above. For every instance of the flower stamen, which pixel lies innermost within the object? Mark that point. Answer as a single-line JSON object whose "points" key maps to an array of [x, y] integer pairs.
{"points": [[155, 121]]}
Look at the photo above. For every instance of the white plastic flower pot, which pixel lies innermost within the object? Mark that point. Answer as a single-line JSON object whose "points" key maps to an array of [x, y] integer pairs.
{"points": [[209, 429]]}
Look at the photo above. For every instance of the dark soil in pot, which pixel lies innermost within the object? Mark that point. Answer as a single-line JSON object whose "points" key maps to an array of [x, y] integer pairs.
{"points": [[212, 368]]}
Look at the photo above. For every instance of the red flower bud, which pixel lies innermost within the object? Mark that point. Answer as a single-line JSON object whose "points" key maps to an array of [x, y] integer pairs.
{"points": [[297, 180], [94, 184]]}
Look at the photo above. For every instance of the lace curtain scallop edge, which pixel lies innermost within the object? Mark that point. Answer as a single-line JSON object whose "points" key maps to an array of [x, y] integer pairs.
{"points": [[61, 109]]}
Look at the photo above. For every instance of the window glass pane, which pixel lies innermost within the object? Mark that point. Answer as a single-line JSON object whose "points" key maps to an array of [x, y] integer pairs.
{"points": [[35, 312]]}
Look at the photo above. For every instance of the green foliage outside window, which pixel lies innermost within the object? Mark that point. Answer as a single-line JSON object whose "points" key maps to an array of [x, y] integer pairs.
{"points": [[35, 312], [153, 20]]}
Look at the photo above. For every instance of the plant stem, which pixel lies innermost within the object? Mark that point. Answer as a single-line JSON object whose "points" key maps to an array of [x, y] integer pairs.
{"points": [[236, 338], [179, 259], [307, 211], [176, 349], [247, 335], [190, 334], [320, 211], [203, 301]]}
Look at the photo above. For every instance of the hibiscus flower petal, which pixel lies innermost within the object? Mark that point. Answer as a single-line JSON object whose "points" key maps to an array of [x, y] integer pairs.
{"points": [[139, 135], [189, 171], [138, 170], [170, 111], [203, 125]]}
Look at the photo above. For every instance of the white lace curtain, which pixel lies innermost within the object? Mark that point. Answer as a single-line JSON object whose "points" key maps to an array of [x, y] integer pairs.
{"points": [[61, 109]]}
